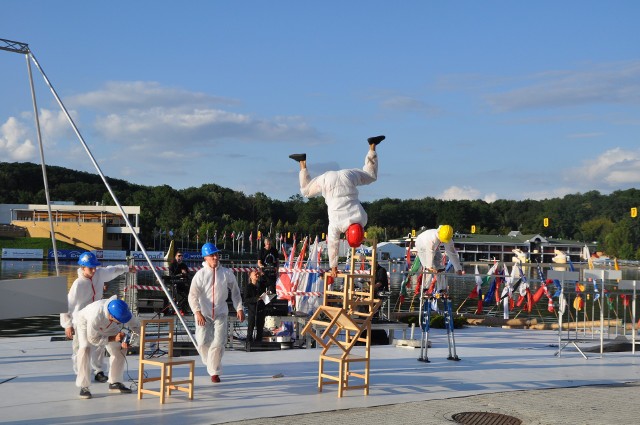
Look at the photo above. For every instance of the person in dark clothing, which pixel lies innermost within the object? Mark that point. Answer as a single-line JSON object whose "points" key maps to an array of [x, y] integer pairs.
{"points": [[268, 262], [179, 280], [382, 280], [177, 267], [255, 306]]}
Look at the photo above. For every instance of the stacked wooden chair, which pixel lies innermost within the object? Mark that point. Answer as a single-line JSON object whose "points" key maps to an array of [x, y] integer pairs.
{"points": [[156, 337], [344, 320]]}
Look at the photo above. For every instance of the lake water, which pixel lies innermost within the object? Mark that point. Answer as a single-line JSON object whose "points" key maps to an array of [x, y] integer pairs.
{"points": [[459, 288]]}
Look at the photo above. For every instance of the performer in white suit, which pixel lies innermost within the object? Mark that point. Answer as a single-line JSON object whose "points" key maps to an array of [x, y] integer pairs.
{"points": [[208, 293], [428, 244], [339, 189]]}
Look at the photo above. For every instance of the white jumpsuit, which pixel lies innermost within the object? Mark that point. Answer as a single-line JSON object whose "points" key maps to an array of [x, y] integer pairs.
{"points": [[427, 245], [93, 329], [83, 292], [210, 299], [339, 189]]}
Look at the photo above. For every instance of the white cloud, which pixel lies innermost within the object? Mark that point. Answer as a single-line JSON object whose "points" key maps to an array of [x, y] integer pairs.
{"points": [[490, 197], [142, 114], [54, 124], [465, 193], [455, 192], [612, 83], [14, 144], [171, 127], [143, 94], [613, 168]]}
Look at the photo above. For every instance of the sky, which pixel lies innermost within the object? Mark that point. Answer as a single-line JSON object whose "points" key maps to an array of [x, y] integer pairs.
{"points": [[477, 99]]}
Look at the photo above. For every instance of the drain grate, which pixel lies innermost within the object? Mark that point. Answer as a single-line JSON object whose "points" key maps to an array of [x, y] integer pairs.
{"points": [[485, 418]]}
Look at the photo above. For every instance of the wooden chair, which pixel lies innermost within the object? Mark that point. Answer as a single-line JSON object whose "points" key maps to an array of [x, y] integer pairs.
{"points": [[157, 334], [345, 320]]}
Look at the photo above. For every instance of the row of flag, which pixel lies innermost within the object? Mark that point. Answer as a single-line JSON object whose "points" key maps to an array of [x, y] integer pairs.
{"points": [[511, 288]]}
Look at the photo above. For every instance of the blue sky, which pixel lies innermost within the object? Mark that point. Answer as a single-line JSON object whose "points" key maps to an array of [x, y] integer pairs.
{"points": [[478, 99]]}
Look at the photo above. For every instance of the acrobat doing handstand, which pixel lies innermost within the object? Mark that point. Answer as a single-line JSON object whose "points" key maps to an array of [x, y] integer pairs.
{"points": [[339, 189]]}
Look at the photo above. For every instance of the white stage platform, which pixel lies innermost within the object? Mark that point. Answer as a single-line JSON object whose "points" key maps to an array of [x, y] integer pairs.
{"points": [[39, 388]]}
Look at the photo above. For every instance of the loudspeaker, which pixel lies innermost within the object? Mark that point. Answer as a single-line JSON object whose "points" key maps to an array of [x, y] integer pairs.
{"points": [[378, 337], [277, 308]]}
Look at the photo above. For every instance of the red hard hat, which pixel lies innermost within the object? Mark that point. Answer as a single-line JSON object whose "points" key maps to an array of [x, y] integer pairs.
{"points": [[355, 235]]}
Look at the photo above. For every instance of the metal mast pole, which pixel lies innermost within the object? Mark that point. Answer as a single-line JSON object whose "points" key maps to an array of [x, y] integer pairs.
{"points": [[114, 197], [23, 48], [44, 168], [17, 47]]}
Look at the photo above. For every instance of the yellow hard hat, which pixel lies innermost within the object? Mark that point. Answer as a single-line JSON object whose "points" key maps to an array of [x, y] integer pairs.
{"points": [[445, 233]]}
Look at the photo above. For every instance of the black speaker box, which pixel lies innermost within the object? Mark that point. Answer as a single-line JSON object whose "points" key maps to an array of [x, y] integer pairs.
{"points": [[277, 308]]}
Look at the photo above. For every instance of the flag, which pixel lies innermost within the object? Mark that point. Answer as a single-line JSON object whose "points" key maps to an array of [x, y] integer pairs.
{"points": [[558, 292], [625, 299], [596, 292], [477, 291], [298, 276], [419, 281], [432, 285], [586, 255], [506, 294], [406, 282], [251, 236], [448, 267], [233, 235], [538, 294], [571, 268], [539, 270], [292, 253], [310, 282], [491, 281], [523, 290], [499, 280]]}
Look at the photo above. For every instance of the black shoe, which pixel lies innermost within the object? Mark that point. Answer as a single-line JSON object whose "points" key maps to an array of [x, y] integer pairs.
{"points": [[100, 377], [375, 140], [298, 156], [119, 387], [85, 393]]}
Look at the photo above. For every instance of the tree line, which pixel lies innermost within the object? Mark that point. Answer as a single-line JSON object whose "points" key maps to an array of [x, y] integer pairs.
{"points": [[211, 209]]}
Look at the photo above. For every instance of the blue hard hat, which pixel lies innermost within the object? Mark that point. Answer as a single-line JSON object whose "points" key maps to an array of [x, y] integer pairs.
{"points": [[88, 259], [209, 249], [119, 310]]}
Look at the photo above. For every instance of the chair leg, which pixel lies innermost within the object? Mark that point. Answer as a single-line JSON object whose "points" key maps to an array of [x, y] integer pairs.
{"points": [[320, 372], [140, 380], [191, 379], [341, 381], [163, 384], [169, 378]]}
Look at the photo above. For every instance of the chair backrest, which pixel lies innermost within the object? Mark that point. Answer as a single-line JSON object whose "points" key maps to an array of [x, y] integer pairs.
{"points": [[156, 337]]}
